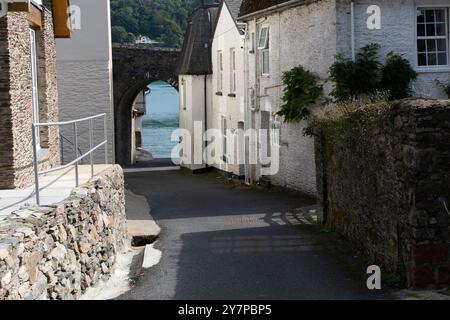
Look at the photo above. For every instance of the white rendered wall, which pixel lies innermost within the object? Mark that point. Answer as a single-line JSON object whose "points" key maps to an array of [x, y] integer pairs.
{"points": [[85, 74], [227, 37]]}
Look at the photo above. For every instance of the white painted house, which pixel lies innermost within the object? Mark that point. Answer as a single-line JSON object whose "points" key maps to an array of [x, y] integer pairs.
{"points": [[282, 34], [85, 84], [195, 83], [227, 109]]}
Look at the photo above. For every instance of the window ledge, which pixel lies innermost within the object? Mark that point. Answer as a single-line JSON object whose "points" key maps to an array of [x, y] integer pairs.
{"points": [[232, 95], [219, 93], [443, 69]]}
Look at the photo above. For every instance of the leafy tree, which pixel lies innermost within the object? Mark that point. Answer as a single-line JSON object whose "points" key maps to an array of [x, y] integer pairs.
{"points": [[161, 20]]}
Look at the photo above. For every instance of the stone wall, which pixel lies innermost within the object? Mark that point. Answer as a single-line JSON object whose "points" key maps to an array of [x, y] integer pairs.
{"points": [[58, 252], [16, 112], [381, 175]]}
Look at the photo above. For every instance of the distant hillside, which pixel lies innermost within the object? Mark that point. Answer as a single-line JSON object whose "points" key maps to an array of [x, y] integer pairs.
{"points": [[161, 20]]}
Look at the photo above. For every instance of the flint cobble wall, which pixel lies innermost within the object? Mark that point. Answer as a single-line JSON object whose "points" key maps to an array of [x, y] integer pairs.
{"points": [[381, 177], [16, 104], [58, 252]]}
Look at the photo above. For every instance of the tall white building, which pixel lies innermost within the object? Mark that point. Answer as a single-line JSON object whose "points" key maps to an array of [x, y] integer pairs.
{"points": [[227, 110], [84, 67], [195, 84]]}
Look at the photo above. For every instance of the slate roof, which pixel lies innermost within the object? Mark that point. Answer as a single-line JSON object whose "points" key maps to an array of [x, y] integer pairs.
{"points": [[234, 7], [250, 6], [196, 51]]}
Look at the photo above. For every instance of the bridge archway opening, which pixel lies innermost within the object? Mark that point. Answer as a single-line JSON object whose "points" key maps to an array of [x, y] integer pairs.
{"points": [[155, 122], [134, 69]]}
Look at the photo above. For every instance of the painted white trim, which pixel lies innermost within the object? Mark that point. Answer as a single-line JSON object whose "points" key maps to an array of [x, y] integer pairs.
{"points": [[432, 69]]}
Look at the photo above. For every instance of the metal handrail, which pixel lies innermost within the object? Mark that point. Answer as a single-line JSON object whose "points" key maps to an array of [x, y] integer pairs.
{"points": [[62, 139], [78, 157]]}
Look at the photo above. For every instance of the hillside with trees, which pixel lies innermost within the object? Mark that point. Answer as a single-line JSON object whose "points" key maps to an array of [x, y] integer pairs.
{"points": [[161, 20]]}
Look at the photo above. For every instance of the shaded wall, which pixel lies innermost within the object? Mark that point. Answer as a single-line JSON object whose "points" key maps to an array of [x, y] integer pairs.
{"points": [[381, 176]]}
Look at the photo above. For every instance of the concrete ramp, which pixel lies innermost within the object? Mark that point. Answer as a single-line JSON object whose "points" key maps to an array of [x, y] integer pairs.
{"points": [[55, 187]]}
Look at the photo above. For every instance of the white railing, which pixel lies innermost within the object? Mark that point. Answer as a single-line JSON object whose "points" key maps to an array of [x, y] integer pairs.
{"points": [[78, 157]]}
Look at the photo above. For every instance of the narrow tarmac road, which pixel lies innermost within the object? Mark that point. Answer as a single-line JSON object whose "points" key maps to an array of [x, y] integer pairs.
{"points": [[220, 242]]}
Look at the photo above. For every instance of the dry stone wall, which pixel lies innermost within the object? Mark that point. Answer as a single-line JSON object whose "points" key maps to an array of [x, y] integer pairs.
{"points": [[58, 252], [382, 176]]}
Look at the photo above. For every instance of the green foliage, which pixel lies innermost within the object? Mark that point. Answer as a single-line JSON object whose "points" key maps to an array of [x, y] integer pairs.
{"points": [[120, 35], [366, 76], [445, 87], [396, 280], [353, 79], [161, 20], [397, 75], [301, 91]]}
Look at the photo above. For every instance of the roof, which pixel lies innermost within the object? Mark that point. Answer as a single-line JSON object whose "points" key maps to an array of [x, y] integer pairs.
{"points": [[251, 6], [234, 7], [196, 51]]}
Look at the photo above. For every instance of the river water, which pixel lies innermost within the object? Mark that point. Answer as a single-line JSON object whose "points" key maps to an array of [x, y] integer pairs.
{"points": [[161, 120]]}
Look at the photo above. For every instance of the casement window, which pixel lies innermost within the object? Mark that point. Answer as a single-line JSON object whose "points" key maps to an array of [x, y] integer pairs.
{"points": [[232, 71], [433, 37], [224, 139], [263, 46], [34, 85], [219, 71]]}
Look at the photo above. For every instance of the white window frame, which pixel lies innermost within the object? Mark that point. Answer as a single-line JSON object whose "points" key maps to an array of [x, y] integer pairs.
{"points": [[266, 39], [232, 71], [219, 71], [34, 85], [264, 48], [437, 68]]}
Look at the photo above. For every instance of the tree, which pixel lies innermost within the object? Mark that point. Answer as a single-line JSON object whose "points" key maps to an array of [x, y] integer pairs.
{"points": [[162, 20]]}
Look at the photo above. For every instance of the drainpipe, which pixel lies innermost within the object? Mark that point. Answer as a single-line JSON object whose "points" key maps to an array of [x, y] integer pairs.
{"points": [[206, 114], [352, 14]]}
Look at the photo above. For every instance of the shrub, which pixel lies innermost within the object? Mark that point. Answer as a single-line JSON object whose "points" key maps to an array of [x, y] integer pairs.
{"points": [[353, 79], [397, 75], [301, 91], [366, 76]]}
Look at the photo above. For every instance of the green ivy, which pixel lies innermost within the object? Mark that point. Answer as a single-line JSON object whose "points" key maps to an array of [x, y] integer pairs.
{"points": [[301, 91]]}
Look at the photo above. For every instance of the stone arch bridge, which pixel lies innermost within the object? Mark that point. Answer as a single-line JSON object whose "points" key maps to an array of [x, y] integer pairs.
{"points": [[134, 68]]}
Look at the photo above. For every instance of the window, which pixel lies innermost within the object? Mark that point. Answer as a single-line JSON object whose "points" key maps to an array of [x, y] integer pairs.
{"points": [[263, 46], [34, 85], [263, 38], [232, 71], [432, 37], [220, 71]]}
